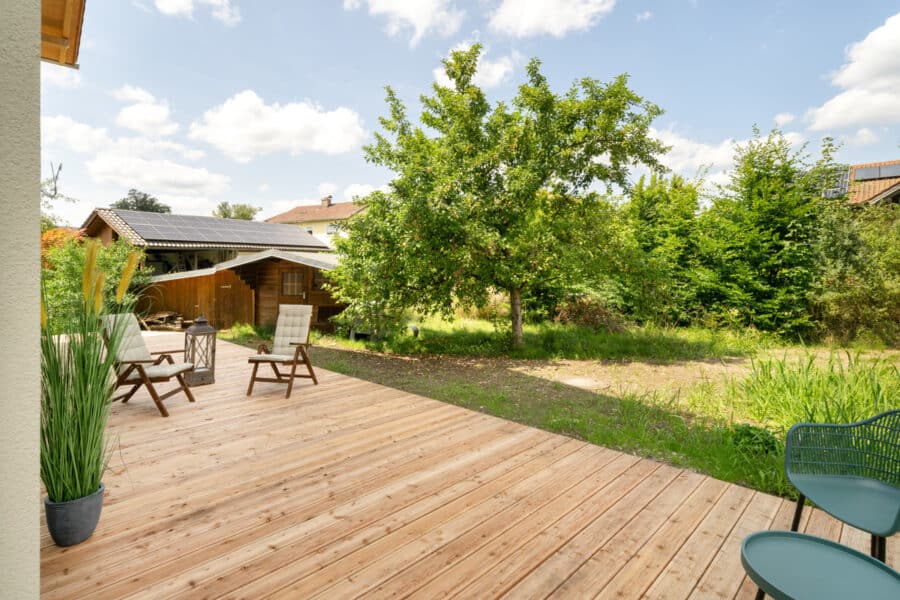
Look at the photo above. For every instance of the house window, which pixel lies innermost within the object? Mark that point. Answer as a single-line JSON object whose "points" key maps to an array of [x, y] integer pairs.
{"points": [[292, 283], [309, 229], [332, 228]]}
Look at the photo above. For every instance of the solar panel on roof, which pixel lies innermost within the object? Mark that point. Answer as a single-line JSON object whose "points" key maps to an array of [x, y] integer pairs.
{"points": [[186, 229], [889, 171], [867, 173]]}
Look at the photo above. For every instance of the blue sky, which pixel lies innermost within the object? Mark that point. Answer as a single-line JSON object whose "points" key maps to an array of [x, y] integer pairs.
{"points": [[269, 103]]}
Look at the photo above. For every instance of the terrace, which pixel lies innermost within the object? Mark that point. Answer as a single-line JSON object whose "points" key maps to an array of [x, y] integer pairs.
{"points": [[354, 489]]}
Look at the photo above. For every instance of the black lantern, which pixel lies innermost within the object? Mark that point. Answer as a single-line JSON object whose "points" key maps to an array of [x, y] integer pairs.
{"points": [[200, 350]]}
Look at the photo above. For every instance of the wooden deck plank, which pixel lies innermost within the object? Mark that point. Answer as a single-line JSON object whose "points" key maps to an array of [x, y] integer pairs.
{"points": [[725, 574], [350, 488], [427, 536], [501, 577], [366, 530], [679, 577], [618, 551], [550, 574], [274, 509], [482, 559], [641, 569]]}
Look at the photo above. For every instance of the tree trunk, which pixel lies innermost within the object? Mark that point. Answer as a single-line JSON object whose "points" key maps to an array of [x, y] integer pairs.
{"points": [[515, 313]]}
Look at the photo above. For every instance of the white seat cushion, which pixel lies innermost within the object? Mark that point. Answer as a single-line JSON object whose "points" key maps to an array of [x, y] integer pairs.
{"points": [[273, 358], [292, 326], [164, 370]]}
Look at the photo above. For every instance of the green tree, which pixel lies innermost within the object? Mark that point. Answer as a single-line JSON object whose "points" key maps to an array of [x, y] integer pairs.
{"points": [[136, 200], [663, 214], [493, 197], [761, 235], [226, 210]]}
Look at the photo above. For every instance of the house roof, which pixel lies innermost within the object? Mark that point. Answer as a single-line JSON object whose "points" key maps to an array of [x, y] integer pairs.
{"points": [[325, 211], [61, 22], [160, 230], [325, 261], [872, 182]]}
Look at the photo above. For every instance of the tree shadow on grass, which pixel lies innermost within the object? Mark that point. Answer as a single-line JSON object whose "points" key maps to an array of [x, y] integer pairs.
{"points": [[638, 424]]}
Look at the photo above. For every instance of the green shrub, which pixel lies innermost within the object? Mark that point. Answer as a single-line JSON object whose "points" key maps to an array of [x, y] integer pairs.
{"points": [[61, 279], [589, 311]]}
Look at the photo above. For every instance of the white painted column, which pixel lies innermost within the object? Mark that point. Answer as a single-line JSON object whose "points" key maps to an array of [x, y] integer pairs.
{"points": [[20, 160]]}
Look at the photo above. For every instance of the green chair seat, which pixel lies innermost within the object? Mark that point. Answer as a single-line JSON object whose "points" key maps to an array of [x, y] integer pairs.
{"points": [[795, 566], [864, 503]]}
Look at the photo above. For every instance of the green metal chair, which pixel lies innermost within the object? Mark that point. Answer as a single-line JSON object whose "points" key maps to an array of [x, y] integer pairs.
{"points": [[852, 472]]}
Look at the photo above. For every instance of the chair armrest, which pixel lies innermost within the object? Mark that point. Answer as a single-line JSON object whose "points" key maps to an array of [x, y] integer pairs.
{"points": [[262, 349], [299, 343], [148, 361], [169, 352]]}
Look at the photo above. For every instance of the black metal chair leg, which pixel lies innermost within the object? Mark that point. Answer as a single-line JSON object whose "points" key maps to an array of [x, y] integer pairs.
{"points": [[760, 594], [798, 512]]}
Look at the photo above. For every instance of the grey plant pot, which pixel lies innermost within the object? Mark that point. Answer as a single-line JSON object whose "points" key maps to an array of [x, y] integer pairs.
{"points": [[74, 521]]}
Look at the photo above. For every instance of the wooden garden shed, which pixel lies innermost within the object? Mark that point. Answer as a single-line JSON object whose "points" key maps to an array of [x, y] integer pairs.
{"points": [[247, 289]]}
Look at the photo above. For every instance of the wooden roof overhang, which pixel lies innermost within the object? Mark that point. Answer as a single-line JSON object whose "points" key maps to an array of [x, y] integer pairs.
{"points": [[61, 22]]}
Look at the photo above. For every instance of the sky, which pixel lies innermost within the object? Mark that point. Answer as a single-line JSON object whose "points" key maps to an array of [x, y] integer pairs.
{"points": [[270, 102]]}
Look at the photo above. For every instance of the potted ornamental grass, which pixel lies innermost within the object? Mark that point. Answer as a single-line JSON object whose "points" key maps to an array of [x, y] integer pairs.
{"points": [[77, 385]]}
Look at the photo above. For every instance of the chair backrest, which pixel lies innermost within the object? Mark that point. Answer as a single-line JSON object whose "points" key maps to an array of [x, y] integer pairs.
{"points": [[131, 344], [869, 449], [292, 326]]}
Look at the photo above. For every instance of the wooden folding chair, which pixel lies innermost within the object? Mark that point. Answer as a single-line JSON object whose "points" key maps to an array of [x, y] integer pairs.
{"points": [[289, 348], [136, 365]]}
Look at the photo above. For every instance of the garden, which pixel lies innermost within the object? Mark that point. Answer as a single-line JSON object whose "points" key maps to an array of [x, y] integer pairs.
{"points": [[513, 268]]}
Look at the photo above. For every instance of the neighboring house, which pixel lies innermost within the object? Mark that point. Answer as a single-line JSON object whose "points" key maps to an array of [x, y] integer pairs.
{"points": [[229, 270], [321, 220], [175, 243], [874, 182]]}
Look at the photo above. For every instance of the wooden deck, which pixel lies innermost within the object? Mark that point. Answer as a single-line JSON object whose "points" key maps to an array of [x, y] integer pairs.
{"points": [[353, 489]]}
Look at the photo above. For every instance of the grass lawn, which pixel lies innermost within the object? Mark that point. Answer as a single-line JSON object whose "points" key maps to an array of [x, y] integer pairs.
{"points": [[716, 402]]}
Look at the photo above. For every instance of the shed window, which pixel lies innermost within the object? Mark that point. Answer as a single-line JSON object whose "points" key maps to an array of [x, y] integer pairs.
{"points": [[318, 279], [292, 283], [332, 228]]}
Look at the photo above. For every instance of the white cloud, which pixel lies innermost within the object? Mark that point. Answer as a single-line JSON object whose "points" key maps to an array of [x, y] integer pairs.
{"points": [[782, 119], [689, 155], [490, 73], [79, 137], [524, 18], [863, 137], [140, 162], [131, 93], [182, 204], [157, 174], [359, 190], [147, 115], [870, 80], [264, 187], [643, 16], [59, 76], [327, 189], [222, 10], [244, 127], [419, 16]]}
